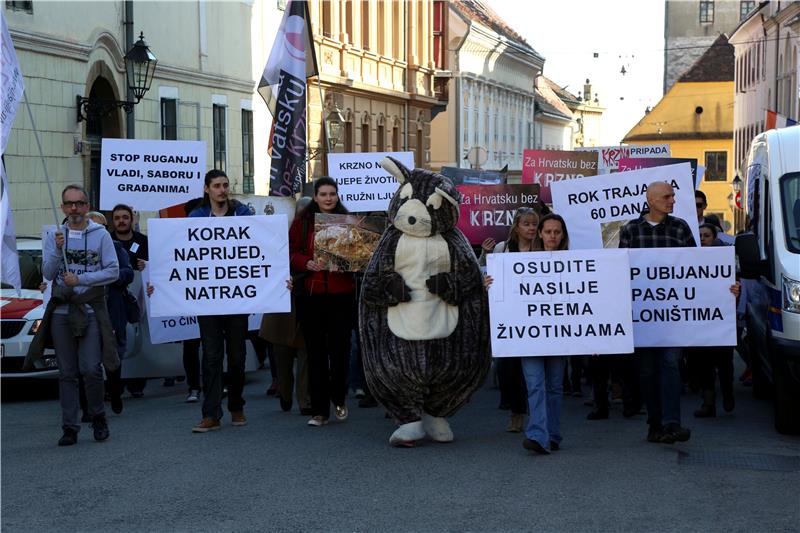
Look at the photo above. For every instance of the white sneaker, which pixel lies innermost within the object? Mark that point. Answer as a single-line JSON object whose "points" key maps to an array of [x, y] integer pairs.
{"points": [[317, 421], [193, 396]]}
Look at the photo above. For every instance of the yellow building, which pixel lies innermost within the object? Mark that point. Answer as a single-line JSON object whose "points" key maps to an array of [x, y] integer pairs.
{"points": [[696, 119]]}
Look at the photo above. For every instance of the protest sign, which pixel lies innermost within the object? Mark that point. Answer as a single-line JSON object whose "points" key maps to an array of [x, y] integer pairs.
{"points": [[269, 205], [608, 156], [219, 265], [543, 167], [346, 242], [635, 163], [595, 209], [150, 175], [473, 176], [487, 211], [572, 302], [363, 184], [681, 296]]}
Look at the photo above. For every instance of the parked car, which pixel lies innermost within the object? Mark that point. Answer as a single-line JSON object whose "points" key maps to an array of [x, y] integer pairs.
{"points": [[21, 315], [769, 256]]}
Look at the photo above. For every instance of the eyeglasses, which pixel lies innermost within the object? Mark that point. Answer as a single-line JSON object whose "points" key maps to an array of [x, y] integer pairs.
{"points": [[79, 203], [524, 211], [700, 206]]}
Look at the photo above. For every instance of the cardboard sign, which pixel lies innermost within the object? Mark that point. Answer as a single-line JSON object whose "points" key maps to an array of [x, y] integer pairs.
{"points": [[596, 209], [151, 175], [346, 242], [363, 184], [487, 211], [608, 156], [681, 296], [543, 167], [560, 303], [219, 265]]}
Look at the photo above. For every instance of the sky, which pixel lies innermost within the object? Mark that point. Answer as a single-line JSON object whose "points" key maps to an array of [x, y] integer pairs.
{"points": [[621, 32]]}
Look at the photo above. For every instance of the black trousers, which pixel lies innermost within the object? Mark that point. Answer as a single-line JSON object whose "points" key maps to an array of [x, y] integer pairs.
{"points": [[513, 391], [625, 367], [222, 335], [714, 361], [326, 320], [191, 363]]}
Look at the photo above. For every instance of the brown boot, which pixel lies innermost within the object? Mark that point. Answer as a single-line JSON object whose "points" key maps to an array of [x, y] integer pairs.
{"points": [[515, 424], [709, 407]]}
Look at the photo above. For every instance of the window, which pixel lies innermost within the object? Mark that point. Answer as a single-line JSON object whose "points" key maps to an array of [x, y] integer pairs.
{"points": [[706, 12], [247, 152], [348, 136], [220, 151], [381, 141], [716, 166], [396, 138], [169, 119], [365, 21], [327, 17], [439, 20], [348, 19], [17, 5], [745, 8], [365, 137]]}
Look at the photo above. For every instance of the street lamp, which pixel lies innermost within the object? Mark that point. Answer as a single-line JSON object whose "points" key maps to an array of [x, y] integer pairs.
{"points": [[334, 123], [140, 65], [737, 184]]}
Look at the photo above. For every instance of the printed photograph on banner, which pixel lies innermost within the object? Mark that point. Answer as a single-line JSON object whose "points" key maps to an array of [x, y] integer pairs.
{"points": [[346, 242], [268, 205], [150, 175], [611, 233], [473, 176], [589, 203], [363, 184], [560, 303], [681, 296], [219, 265], [543, 167], [487, 211]]}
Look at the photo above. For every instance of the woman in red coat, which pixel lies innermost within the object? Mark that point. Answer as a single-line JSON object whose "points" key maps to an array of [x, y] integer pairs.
{"points": [[326, 308]]}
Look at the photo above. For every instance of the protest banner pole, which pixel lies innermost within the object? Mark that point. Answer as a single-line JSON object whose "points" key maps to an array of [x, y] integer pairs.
{"points": [[44, 165]]}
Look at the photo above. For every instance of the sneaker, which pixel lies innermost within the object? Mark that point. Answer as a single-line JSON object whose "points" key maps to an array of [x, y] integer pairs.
{"points": [[69, 437], [658, 435], [616, 393], [533, 446], [317, 421], [100, 428], [205, 425], [340, 412], [238, 418], [193, 396], [359, 393], [515, 424], [679, 433], [116, 404]]}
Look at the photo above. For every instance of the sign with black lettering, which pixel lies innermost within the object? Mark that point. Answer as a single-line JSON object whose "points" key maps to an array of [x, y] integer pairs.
{"points": [[681, 296], [487, 211], [151, 175], [560, 303], [219, 265], [543, 167], [608, 156], [363, 184], [596, 208]]}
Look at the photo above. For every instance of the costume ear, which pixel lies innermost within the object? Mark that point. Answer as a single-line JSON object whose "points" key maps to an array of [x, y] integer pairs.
{"points": [[396, 169], [451, 196]]}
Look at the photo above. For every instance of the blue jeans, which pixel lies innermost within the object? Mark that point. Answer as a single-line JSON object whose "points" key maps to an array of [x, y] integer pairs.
{"points": [[544, 377], [661, 384]]}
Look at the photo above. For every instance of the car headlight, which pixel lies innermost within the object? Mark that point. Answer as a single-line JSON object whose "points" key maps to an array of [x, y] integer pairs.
{"points": [[35, 327], [791, 295]]}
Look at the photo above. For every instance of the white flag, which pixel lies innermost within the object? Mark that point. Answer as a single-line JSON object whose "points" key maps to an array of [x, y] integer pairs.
{"points": [[11, 84]]}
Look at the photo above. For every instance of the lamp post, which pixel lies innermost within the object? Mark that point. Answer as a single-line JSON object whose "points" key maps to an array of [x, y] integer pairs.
{"points": [[334, 123], [736, 185], [140, 65]]}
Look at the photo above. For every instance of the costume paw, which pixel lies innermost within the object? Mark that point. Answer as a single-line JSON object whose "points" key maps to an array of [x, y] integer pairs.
{"points": [[408, 434], [437, 428], [396, 289], [443, 285]]}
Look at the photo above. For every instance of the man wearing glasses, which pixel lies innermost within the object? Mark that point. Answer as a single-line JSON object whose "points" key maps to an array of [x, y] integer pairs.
{"points": [[76, 316]]}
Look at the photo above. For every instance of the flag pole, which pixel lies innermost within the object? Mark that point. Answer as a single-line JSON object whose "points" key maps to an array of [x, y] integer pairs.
{"points": [[324, 121], [46, 174]]}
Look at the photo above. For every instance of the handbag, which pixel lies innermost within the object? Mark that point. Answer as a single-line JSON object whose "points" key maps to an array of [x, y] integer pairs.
{"points": [[131, 307]]}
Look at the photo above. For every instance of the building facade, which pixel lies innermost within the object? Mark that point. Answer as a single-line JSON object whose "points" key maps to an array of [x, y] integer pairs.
{"points": [[555, 124], [691, 26], [485, 88], [376, 68], [203, 89], [695, 118]]}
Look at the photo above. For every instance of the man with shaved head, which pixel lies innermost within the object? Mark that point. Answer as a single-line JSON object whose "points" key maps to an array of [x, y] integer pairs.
{"points": [[659, 371]]}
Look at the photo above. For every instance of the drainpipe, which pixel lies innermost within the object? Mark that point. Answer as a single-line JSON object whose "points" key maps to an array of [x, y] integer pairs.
{"points": [[130, 122]]}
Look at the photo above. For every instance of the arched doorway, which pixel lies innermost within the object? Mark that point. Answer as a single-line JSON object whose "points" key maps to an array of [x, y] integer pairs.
{"points": [[98, 127]]}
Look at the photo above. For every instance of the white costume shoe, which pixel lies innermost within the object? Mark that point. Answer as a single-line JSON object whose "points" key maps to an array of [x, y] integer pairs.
{"points": [[407, 434], [437, 428]]}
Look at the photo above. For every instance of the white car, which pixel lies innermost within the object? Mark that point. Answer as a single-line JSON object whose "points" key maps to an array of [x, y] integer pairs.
{"points": [[21, 316]]}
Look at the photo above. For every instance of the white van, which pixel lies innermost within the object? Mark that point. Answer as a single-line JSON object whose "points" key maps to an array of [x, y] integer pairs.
{"points": [[770, 256]]}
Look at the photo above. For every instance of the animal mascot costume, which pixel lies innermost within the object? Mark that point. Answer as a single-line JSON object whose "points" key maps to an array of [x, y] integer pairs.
{"points": [[424, 316]]}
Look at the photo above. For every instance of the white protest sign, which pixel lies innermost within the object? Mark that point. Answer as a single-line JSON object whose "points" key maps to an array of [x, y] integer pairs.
{"points": [[596, 208], [681, 296], [560, 303], [363, 184], [151, 175], [608, 156], [219, 265]]}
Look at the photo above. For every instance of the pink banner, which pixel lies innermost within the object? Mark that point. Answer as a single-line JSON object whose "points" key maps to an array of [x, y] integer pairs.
{"points": [[488, 210], [543, 167]]}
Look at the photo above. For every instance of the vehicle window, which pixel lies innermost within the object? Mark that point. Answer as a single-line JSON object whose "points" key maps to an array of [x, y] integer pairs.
{"points": [[30, 269], [790, 200]]}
